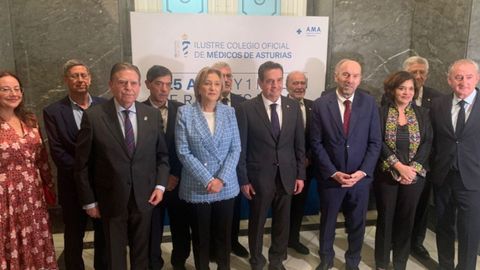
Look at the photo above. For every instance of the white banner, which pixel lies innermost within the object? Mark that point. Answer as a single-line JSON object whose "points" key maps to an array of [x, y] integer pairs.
{"points": [[185, 43]]}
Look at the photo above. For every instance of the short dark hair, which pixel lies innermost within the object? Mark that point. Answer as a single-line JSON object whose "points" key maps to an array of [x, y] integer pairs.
{"points": [[202, 77], [393, 81], [124, 66], [158, 71], [269, 65]]}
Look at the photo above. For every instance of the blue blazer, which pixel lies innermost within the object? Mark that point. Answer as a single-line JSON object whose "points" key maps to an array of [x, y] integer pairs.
{"points": [[205, 156], [333, 150]]}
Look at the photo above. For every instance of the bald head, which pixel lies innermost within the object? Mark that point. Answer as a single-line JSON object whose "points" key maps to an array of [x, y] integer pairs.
{"points": [[296, 85]]}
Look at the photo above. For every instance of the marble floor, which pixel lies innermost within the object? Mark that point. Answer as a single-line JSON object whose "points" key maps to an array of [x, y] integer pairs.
{"points": [[295, 261]]}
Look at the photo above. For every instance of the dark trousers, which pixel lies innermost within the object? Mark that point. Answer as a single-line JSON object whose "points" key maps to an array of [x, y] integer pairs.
{"points": [[396, 207], [279, 201], [296, 212], [131, 228], [236, 217], [211, 221], [454, 202], [179, 228], [75, 220], [354, 202], [421, 215]]}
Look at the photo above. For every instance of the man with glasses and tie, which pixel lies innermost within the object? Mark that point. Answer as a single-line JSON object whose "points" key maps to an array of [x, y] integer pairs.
{"points": [[346, 142], [272, 163], [159, 83], [62, 122], [121, 167], [233, 100], [455, 169]]}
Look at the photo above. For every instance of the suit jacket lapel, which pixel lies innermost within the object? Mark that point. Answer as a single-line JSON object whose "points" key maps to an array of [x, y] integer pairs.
{"points": [[68, 118], [262, 113], [143, 123], [110, 120], [202, 127], [447, 114], [356, 108], [287, 116], [474, 116], [335, 112]]}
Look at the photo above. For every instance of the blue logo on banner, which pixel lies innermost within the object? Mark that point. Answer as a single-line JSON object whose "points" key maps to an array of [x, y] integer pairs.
{"points": [[311, 30], [185, 6], [259, 7]]}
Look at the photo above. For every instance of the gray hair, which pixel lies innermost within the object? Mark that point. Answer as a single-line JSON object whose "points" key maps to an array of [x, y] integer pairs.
{"points": [[415, 60]]}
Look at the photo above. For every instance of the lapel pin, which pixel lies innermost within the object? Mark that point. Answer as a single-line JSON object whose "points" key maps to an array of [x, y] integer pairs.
{"points": [[288, 106], [145, 118]]}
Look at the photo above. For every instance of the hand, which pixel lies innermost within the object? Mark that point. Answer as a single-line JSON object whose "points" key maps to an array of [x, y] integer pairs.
{"points": [[298, 186], [407, 173], [215, 186], [171, 183], [248, 191], [156, 197], [93, 212], [357, 176], [343, 179]]}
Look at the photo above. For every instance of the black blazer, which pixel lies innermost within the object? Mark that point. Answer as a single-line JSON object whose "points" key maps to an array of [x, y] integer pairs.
{"points": [[62, 135], [102, 162], [262, 155], [236, 100], [426, 135], [446, 145], [175, 164]]}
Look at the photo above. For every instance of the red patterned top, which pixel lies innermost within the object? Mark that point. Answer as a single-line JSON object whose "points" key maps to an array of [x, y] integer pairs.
{"points": [[25, 238]]}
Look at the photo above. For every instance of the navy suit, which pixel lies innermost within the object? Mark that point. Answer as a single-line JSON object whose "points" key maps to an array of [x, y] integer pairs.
{"points": [[456, 184], [179, 225], [335, 151], [62, 134]]}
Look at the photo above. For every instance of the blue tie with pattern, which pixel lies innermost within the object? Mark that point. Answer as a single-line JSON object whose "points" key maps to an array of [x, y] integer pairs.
{"points": [[274, 120], [129, 136]]}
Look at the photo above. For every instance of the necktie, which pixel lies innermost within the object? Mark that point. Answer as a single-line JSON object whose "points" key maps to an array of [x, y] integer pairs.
{"points": [[460, 119], [225, 101], [164, 114], [346, 116], [274, 120], [129, 136], [304, 113]]}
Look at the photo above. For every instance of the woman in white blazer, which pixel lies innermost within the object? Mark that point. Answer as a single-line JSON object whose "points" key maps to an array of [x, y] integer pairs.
{"points": [[208, 145]]}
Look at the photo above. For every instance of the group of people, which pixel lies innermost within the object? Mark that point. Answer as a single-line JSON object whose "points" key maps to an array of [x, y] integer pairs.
{"points": [[124, 164]]}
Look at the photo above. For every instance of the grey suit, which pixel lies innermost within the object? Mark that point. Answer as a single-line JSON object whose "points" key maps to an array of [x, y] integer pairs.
{"points": [[122, 184], [271, 166]]}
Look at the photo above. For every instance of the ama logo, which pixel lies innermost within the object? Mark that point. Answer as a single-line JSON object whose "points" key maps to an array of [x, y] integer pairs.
{"points": [[313, 30], [182, 47]]}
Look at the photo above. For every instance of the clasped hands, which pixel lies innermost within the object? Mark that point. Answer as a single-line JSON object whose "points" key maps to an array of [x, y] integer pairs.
{"points": [[348, 180]]}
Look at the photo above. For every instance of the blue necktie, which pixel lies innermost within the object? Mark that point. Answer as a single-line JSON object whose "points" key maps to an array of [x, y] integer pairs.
{"points": [[129, 136], [274, 120]]}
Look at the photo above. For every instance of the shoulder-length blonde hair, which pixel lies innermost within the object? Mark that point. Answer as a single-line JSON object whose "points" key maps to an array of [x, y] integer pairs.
{"points": [[202, 77]]}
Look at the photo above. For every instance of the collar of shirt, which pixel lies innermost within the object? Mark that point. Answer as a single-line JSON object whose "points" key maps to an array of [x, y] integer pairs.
{"points": [[469, 100], [229, 97], [75, 104], [267, 103], [342, 99], [78, 111], [155, 106]]}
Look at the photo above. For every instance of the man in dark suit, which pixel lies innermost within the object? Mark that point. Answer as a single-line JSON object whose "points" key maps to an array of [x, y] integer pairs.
{"points": [[272, 163], [346, 142], [455, 170], [159, 82], [418, 67], [296, 86], [62, 122], [121, 167], [233, 100]]}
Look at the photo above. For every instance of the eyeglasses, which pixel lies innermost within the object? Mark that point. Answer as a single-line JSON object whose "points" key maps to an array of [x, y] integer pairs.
{"points": [[16, 90]]}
